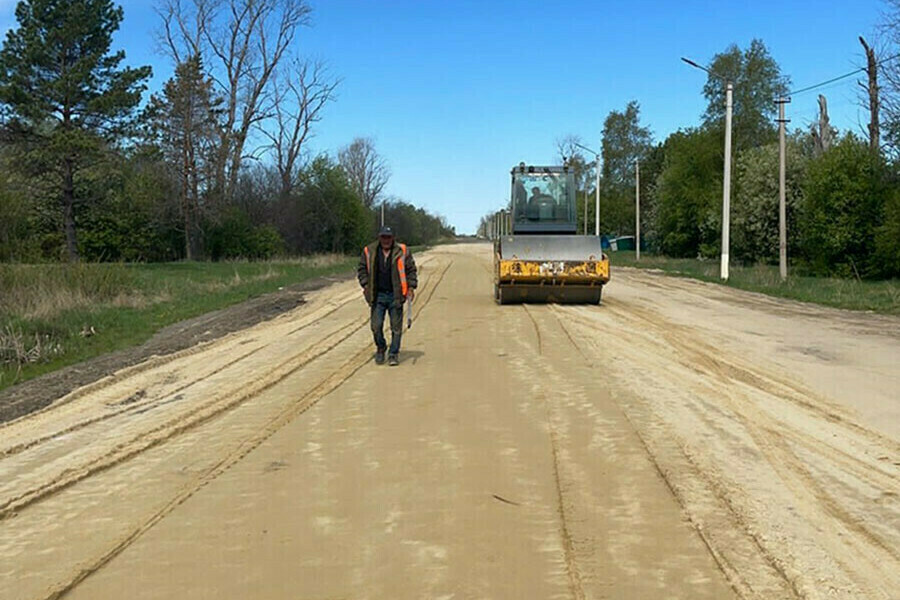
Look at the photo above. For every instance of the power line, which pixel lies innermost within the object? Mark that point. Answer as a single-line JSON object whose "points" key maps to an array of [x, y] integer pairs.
{"points": [[844, 76]]}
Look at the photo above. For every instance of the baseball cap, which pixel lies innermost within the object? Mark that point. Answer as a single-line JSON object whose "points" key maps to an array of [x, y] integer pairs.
{"points": [[386, 232]]}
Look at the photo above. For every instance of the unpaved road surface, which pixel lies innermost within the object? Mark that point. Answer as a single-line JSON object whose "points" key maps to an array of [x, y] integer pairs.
{"points": [[681, 441]]}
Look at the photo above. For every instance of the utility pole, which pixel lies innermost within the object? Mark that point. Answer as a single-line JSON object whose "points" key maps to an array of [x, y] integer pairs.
{"points": [[382, 213], [726, 185], [782, 203], [585, 211], [637, 210], [597, 203]]}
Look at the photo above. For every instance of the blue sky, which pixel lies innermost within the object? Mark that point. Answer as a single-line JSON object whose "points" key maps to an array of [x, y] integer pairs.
{"points": [[455, 93]]}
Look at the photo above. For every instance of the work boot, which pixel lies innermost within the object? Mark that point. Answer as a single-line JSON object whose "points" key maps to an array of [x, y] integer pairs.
{"points": [[393, 360], [379, 357]]}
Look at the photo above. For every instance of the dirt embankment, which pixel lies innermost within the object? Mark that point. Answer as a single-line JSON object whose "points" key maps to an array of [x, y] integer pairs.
{"points": [[38, 393]]}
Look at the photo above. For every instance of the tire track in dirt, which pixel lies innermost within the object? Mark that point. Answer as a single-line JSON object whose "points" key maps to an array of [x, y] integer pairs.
{"points": [[153, 402], [728, 371], [712, 358], [170, 429], [855, 546], [125, 450], [738, 583], [324, 387], [332, 382], [576, 586], [155, 363], [127, 408], [681, 476], [537, 331]]}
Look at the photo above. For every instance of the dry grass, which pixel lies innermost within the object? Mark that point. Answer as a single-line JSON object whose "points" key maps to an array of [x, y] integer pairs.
{"points": [[18, 349], [53, 315], [46, 291]]}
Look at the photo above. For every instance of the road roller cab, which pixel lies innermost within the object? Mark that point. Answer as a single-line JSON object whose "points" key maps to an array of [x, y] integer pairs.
{"points": [[544, 260]]}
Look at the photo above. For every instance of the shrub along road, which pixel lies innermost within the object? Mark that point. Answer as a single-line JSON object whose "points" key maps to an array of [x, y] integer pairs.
{"points": [[683, 440]]}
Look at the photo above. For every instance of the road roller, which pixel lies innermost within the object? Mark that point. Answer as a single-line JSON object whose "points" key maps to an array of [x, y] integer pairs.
{"points": [[542, 258]]}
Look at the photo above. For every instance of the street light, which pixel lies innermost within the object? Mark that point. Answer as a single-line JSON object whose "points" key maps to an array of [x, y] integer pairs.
{"points": [[726, 184], [597, 202]]}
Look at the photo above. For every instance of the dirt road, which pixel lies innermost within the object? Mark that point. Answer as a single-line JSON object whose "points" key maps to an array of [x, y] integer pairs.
{"points": [[681, 441]]}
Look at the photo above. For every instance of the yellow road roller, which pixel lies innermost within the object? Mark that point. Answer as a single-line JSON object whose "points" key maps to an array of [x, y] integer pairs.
{"points": [[543, 259]]}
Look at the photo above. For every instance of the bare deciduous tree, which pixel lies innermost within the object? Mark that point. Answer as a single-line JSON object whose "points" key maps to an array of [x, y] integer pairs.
{"points": [[568, 150], [872, 92], [243, 42], [366, 170], [301, 94], [822, 131]]}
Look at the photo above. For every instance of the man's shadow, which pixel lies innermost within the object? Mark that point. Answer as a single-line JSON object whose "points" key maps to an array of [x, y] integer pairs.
{"points": [[410, 356]]}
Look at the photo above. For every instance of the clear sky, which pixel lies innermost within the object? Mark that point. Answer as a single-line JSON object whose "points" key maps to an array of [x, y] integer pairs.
{"points": [[457, 92]]}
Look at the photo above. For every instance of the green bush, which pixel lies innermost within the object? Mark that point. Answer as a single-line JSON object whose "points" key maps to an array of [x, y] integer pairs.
{"points": [[886, 259], [688, 193], [236, 237], [845, 191], [754, 214]]}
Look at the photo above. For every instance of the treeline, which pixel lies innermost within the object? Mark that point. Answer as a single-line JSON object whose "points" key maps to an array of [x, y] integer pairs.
{"points": [[843, 197], [215, 165]]}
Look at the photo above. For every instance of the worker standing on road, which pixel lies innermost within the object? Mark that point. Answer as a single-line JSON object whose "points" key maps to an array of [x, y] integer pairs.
{"points": [[387, 274]]}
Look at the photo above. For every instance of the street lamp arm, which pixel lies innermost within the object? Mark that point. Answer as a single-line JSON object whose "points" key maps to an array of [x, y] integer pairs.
{"points": [[693, 64], [586, 149], [702, 68]]}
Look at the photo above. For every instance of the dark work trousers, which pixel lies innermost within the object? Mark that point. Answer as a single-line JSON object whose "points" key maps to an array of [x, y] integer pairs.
{"points": [[384, 302]]}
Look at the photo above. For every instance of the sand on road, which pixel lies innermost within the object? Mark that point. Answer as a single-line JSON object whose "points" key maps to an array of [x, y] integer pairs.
{"points": [[683, 440]]}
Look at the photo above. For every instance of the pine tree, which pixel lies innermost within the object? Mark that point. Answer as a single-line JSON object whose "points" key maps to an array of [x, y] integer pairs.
{"points": [[65, 94], [184, 123]]}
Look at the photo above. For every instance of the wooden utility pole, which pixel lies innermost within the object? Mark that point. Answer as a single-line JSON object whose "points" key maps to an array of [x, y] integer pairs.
{"points": [[872, 90]]}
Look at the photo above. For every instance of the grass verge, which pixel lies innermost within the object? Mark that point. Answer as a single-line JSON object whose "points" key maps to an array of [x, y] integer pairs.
{"points": [[876, 296], [52, 316]]}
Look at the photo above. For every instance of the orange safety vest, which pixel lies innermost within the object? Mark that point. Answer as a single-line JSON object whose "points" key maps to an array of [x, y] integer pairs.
{"points": [[401, 267]]}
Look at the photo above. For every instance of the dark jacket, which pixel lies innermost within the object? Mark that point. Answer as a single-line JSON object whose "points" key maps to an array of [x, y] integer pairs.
{"points": [[367, 271]]}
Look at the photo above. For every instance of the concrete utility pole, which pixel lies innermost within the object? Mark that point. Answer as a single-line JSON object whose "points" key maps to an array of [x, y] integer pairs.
{"points": [[597, 202], [637, 210], [726, 182], [585, 211], [782, 203], [726, 185]]}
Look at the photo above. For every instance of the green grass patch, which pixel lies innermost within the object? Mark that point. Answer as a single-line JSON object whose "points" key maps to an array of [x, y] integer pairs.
{"points": [[877, 296], [47, 311]]}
